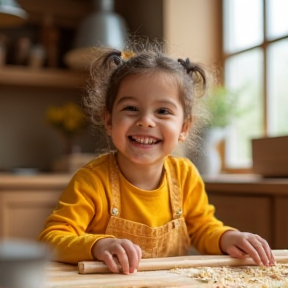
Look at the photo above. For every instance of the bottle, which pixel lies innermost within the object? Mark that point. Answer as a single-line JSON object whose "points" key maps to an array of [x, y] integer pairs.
{"points": [[3, 50], [36, 56], [22, 51]]}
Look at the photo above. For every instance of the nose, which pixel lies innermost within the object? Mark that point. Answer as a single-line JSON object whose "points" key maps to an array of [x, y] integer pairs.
{"points": [[145, 121]]}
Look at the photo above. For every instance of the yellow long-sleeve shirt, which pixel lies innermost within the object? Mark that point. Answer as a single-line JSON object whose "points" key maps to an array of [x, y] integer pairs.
{"points": [[82, 214]]}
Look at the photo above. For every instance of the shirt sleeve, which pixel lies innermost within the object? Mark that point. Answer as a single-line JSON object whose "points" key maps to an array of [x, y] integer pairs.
{"points": [[65, 229], [204, 229]]}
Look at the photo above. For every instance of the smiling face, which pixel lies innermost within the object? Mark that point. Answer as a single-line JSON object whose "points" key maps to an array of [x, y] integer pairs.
{"points": [[147, 119]]}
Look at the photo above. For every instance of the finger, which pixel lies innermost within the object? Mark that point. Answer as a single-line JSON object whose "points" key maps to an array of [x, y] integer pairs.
{"points": [[123, 259], [258, 243], [236, 252], [132, 254], [250, 249], [111, 262], [139, 254], [271, 256], [261, 252], [267, 250], [134, 268], [116, 260]]}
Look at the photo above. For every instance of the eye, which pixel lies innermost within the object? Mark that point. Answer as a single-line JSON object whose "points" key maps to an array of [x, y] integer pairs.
{"points": [[164, 111], [130, 108]]}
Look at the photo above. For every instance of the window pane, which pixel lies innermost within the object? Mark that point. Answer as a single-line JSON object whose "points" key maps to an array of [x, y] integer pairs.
{"points": [[277, 20], [244, 72], [243, 24], [277, 54]]}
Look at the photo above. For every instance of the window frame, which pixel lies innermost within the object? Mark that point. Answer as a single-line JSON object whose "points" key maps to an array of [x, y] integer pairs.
{"points": [[225, 55]]}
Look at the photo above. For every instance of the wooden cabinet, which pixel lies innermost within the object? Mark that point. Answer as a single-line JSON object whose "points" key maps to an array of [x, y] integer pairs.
{"points": [[252, 204], [281, 222], [26, 202], [246, 213], [23, 213]]}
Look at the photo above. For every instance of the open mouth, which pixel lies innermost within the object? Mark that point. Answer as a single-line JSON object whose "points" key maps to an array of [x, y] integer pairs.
{"points": [[144, 140]]}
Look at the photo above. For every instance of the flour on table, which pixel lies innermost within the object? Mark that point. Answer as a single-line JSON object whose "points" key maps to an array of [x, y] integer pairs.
{"points": [[239, 277]]}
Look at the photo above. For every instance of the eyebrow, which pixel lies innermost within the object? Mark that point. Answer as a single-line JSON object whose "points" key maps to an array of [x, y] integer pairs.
{"points": [[127, 98], [168, 102]]}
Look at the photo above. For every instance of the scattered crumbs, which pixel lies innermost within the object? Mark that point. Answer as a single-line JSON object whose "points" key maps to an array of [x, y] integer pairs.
{"points": [[239, 277]]}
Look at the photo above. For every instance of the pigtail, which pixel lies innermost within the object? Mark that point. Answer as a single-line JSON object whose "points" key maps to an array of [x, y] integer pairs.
{"points": [[116, 57], [113, 57], [101, 70], [197, 73]]}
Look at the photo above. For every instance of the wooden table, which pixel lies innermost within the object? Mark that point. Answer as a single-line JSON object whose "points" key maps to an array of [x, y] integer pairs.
{"points": [[64, 275]]}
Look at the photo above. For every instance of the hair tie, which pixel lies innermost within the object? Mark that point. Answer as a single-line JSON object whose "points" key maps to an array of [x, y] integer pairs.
{"points": [[186, 64], [125, 55]]}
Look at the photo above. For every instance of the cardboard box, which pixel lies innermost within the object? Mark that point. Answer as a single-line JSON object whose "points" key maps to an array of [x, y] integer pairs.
{"points": [[270, 156]]}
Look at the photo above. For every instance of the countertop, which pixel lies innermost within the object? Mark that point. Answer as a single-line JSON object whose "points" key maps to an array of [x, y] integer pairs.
{"points": [[64, 275], [240, 182], [246, 184], [224, 183], [51, 180]]}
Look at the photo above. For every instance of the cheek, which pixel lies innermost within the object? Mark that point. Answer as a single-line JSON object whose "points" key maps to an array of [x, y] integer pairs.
{"points": [[120, 126], [177, 126], [122, 119]]}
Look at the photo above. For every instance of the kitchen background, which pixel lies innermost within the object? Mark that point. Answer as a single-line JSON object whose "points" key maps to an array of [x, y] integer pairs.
{"points": [[26, 90], [193, 28]]}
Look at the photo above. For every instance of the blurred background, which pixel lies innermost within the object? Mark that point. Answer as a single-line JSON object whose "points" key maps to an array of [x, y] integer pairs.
{"points": [[41, 65]]}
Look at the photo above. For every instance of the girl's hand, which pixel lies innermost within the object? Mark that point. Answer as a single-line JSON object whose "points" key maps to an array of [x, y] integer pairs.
{"points": [[120, 255], [240, 244]]}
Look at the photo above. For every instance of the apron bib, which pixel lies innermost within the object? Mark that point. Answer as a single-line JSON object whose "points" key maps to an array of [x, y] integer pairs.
{"points": [[168, 240]]}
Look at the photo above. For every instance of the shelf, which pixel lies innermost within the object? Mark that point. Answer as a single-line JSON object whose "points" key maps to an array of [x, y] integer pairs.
{"points": [[43, 77]]}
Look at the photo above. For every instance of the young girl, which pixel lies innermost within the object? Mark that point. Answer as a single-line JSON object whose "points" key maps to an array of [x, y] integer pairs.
{"points": [[140, 201]]}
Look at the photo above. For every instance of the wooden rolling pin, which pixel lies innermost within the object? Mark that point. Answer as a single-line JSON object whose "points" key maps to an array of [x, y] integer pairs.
{"points": [[153, 264]]}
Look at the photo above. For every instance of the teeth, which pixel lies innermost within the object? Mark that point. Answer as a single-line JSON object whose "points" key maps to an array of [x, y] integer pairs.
{"points": [[144, 140]]}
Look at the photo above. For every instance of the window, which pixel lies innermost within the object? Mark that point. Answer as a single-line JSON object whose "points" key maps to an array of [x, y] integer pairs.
{"points": [[256, 63]]}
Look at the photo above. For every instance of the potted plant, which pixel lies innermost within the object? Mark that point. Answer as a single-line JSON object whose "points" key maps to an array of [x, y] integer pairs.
{"points": [[68, 119], [223, 106]]}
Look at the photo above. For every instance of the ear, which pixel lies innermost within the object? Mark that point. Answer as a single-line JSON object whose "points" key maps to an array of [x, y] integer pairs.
{"points": [[108, 123], [185, 130]]}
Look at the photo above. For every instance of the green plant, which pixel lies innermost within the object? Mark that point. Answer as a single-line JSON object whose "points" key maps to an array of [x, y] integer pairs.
{"points": [[223, 105]]}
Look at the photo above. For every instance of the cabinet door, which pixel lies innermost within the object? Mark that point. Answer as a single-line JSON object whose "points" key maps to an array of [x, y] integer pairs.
{"points": [[23, 213], [281, 223], [246, 213]]}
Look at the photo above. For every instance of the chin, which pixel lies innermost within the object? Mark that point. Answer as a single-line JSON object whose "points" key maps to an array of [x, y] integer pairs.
{"points": [[144, 160]]}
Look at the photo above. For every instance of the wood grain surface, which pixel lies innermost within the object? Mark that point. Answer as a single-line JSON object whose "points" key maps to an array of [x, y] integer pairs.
{"points": [[154, 264], [67, 276], [64, 275]]}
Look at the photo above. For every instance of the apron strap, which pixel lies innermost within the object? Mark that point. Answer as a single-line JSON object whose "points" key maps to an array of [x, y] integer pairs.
{"points": [[174, 189], [173, 186], [115, 207]]}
